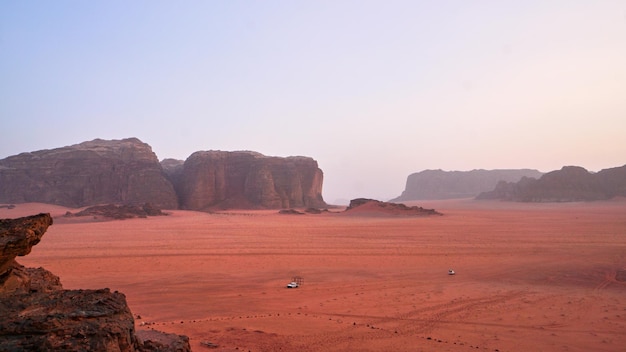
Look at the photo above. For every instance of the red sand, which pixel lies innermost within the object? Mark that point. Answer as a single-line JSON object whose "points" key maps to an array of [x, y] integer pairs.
{"points": [[530, 277]]}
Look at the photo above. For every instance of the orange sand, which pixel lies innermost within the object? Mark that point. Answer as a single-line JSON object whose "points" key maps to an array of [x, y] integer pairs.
{"points": [[530, 277]]}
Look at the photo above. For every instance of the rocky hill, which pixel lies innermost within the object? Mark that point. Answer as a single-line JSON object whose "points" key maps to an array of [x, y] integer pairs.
{"points": [[37, 314], [128, 172], [116, 171], [218, 179], [571, 183], [439, 184], [369, 207]]}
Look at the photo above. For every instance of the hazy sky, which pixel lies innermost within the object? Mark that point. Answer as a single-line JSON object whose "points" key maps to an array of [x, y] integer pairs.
{"points": [[373, 90]]}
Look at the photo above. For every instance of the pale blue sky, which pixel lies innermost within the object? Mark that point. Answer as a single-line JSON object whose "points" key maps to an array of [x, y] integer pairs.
{"points": [[373, 90]]}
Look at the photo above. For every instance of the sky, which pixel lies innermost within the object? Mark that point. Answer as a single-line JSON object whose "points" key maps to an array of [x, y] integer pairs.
{"points": [[372, 90]]}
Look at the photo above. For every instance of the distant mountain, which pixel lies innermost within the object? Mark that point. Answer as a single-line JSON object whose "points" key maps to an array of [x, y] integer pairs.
{"points": [[570, 184], [439, 184]]}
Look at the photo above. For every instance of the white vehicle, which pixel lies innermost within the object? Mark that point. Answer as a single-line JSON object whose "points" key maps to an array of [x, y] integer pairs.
{"points": [[293, 284], [451, 272]]}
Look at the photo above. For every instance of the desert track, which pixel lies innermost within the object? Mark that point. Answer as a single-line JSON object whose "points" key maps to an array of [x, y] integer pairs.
{"points": [[529, 277]]}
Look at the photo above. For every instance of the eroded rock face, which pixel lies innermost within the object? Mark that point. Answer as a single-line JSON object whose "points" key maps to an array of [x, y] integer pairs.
{"points": [[218, 179], [17, 238], [36, 314], [67, 320], [116, 171]]}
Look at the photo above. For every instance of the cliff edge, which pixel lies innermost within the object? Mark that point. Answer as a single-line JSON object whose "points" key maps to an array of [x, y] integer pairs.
{"points": [[37, 314]]}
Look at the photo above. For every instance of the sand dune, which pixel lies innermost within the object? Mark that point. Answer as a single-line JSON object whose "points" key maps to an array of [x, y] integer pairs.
{"points": [[530, 277]]}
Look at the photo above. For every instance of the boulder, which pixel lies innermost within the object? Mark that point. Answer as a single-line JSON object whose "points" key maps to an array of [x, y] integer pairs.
{"points": [[100, 171]]}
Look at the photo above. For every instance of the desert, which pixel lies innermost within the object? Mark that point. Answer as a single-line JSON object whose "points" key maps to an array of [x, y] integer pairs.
{"points": [[529, 276]]}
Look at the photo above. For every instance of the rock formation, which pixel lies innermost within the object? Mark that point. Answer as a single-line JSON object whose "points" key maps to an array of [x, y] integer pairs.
{"points": [[17, 237], [570, 184], [36, 314], [218, 179], [119, 212], [439, 184], [118, 171], [364, 206], [128, 172]]}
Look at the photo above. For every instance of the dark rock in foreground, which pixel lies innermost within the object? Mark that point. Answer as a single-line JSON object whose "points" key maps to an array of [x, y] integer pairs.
{"points": [[68, 320], [36, 314]]}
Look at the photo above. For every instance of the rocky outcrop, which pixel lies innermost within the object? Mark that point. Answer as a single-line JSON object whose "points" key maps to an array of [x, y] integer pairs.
{"points": [[119, 212], [570, 184], [36, 314], [218, 179], [17, 237], [116, 171], [365, 206], [78, 320], [439, 184]]}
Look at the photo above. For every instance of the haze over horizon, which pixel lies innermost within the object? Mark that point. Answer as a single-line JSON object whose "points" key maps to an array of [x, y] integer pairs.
{"points": [[373, 91]]}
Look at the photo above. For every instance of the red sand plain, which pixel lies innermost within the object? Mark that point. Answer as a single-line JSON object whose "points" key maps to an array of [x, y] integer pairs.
{"points": [[530, 277]]}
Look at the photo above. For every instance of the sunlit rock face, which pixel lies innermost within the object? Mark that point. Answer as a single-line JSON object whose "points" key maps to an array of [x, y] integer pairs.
{"points": [[218, 179], [100, 171]]}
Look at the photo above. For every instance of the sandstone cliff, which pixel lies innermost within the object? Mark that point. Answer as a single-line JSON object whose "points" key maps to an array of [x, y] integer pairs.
{"points": [[36, 314], [571, 183], [128, 172], [439, 184], [117, 171], [218, 179]]}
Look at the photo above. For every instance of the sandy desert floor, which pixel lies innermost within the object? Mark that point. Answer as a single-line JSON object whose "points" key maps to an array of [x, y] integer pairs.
{"points": [[529, 277]]}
